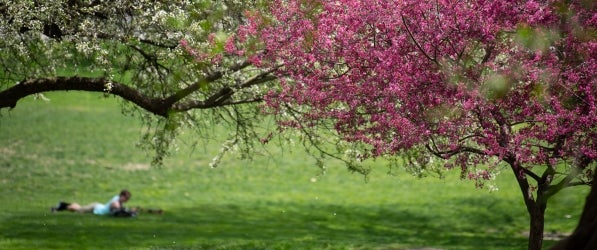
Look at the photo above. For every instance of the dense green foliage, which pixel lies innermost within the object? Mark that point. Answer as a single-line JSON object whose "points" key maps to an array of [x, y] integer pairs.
{"points": [[78, 147]]}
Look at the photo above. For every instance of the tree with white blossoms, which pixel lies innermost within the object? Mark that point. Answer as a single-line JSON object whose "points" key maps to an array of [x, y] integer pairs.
{"points": [[174, 61]]}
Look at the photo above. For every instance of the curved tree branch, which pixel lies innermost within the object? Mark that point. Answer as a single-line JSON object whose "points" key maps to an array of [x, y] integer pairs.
{"points": [[171, 100], [412, 37], [155, 105], [449, 153], [222, 97], [10, 96]]}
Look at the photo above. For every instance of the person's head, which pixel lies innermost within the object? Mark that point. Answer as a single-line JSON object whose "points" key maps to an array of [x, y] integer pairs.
{"points": [[125, 195]]}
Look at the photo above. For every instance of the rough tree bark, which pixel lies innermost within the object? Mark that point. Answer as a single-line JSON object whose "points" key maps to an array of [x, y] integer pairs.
{"points": [[537, 225], [536, 211], [584, 236], [10, 96]]}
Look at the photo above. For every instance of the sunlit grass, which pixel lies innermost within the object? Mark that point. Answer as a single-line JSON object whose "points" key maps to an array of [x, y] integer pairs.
{"points": [[79, 147]]}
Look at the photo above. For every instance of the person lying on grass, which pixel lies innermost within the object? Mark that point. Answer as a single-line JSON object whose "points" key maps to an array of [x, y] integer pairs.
{"points": [[114, 206]]}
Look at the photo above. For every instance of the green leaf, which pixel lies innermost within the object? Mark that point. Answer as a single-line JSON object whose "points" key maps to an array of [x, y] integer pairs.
{"points": [[176, 22]]}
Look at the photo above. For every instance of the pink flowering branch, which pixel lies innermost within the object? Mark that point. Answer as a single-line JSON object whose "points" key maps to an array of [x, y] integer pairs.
{"points": [[414, 40]]}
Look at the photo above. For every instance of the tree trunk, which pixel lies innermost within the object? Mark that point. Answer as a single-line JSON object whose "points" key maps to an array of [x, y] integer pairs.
{"points": [[585, 234], [535, 207], [537, 214]]}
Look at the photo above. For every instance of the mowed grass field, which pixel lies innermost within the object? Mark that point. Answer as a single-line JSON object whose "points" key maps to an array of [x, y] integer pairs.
{"points": [[79, 147]]}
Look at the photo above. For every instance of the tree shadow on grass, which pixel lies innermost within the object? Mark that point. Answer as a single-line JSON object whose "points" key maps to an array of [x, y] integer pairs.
{"points": [[264, 226]]}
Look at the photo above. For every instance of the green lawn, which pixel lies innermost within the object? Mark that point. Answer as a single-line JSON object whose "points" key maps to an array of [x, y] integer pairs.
{"points": [[80, 148]]}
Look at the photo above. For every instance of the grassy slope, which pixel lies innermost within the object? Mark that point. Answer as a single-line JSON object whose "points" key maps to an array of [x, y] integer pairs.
{"points": [[79, 147]]}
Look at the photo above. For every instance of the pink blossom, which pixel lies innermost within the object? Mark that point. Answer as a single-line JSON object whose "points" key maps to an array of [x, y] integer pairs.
{"points": [[400, 74]]}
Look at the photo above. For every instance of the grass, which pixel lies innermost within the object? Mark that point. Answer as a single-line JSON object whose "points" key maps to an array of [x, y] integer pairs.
{"points": [[80, 148]]}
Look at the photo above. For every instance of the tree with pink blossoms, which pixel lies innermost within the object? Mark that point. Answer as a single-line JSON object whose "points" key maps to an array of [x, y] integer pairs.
{"points": [[474, 83]]}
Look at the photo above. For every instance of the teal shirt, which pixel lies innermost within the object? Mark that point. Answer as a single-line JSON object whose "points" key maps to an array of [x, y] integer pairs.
{"points": [[103, 209]]}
